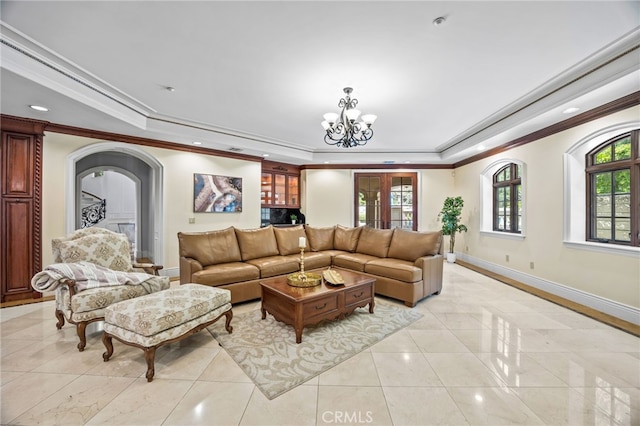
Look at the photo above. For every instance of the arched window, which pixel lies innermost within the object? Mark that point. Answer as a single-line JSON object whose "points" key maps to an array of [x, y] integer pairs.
{"points": [[612, 186], [507, 199]]}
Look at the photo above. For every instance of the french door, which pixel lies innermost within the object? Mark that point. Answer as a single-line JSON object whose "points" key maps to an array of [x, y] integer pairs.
{"points": [[386, 200]]}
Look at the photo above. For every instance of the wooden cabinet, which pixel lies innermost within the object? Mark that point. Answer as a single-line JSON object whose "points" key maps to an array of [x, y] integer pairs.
{"points": [[20, 206], [280, 185]]}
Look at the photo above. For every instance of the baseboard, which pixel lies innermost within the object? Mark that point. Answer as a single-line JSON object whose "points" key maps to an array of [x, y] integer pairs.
{"points": [[568, 297], [170, 272]]}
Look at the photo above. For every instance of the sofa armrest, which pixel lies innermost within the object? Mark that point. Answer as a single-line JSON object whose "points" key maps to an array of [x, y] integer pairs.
{"points": [[432, 267], [188, 266]]}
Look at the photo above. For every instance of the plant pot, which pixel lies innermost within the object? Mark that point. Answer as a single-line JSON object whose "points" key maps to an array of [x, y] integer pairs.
{"points": [[293, 222], [451, 257]]}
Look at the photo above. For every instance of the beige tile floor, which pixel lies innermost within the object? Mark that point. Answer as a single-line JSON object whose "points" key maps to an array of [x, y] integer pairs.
{"points": [[483, 354]]}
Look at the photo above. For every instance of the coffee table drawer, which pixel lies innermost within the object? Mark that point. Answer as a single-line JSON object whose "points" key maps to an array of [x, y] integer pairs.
{"points": [[358, 295], [320, 307]]}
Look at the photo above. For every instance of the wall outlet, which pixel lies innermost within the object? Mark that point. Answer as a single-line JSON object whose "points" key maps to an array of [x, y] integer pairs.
{"points": [[530, 265], [506, 257], [192, 220]]}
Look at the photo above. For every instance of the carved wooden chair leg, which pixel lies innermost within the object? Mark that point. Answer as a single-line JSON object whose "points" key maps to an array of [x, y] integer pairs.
{"points": [[227, 324], [106, 340], [60, 317], [82, 335], [149, 356]]}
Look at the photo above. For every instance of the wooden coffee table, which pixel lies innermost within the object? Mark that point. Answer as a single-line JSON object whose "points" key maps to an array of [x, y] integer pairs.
{"points": [[303, 306]]}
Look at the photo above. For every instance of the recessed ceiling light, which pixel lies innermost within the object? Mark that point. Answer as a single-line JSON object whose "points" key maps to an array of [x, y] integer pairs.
{"points": [[265, 155], [571, 110], [197, 143], [170, 89], [39, 108]]}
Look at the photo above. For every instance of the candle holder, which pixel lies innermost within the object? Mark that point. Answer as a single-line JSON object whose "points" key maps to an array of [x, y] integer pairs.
{"points": [[302, 278]]}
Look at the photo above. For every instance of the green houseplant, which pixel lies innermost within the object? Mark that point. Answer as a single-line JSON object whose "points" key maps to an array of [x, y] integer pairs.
{"points": [[293, 218], [450, 216]]}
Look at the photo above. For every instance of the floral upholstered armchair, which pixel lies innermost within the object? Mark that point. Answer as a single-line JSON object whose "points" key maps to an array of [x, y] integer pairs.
{"points": [[106, 249]]}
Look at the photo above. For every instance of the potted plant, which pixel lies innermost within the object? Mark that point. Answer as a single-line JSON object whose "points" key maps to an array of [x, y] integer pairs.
{"points": [[293, 218], [450, 216]]}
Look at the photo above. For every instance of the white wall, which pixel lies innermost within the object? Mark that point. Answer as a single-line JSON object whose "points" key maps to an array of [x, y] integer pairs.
{"points": [[581, 272]]}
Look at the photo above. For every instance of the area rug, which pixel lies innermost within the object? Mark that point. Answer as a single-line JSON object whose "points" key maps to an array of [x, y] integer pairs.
{"points": [[267, 351]]}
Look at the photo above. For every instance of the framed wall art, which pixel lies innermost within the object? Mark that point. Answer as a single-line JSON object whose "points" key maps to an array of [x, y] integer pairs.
{"points": [[216, 194]]}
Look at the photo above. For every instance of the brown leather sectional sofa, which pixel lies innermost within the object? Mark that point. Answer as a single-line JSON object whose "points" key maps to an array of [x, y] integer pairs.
{"points": [[407, 265]]}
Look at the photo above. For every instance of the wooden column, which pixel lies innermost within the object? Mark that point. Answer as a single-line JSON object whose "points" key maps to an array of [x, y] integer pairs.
{"points": [[20, 206]]}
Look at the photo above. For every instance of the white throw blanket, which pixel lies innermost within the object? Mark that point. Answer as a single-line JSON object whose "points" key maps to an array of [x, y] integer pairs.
{"points": [[86, 275]]}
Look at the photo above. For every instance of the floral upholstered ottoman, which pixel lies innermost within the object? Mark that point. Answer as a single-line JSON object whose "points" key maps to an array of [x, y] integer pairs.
{"points": [[150, 321]]}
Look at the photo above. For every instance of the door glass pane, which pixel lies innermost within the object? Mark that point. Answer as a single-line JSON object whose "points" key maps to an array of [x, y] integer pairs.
{"points": [[265, 188], [293, 191], [279, 189], [369, 202], [401, 198]]}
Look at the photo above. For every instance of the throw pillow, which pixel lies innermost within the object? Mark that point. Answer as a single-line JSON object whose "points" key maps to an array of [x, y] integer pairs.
{"points": [[346, 238], [320, 238], [108, 250]]}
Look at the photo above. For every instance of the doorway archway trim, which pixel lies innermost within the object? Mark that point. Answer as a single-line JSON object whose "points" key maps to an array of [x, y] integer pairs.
{"points": [[156, 184]]}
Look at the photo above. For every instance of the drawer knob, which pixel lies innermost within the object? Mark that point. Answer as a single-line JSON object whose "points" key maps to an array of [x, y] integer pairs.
{"points": [[321, 307]]}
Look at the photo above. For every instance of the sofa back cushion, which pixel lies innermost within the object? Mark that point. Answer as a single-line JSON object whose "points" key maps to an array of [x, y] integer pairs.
{"points": [[410, 245], [346, 238], [110, 250], [320, 239], [374, 242], [256, 243], [211, 247], [289, 239]]}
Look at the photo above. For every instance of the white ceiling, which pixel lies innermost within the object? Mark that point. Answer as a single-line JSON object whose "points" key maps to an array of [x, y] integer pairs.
{"points": [[258, 76]]}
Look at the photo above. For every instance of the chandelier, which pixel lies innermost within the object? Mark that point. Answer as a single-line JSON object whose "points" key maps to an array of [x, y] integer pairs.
{"points": [[344, 129]]}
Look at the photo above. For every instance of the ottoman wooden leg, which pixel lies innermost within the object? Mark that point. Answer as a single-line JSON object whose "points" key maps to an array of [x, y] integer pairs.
{"points": [[227, 324], [149, 356], [106, 340]]}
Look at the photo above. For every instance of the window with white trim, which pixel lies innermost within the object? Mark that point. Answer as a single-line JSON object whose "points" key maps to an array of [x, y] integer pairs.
{"points": [[502, 199], [576, 199], [612, 185], [507, 199]]}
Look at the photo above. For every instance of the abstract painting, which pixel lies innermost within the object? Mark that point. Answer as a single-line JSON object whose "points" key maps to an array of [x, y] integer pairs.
{"points": [[216, 194]]}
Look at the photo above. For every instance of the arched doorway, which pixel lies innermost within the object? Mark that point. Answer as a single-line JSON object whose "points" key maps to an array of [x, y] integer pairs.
{"points": [[145, 172]]}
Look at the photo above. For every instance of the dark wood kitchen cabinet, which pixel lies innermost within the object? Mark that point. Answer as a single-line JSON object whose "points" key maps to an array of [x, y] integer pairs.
{"points": [[280, 185]]}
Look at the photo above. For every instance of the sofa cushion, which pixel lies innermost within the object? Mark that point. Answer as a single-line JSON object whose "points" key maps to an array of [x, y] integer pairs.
{"points": [[226, 273], [256, 243], [210, 248], [353, 261], [410, 245], [320, 238], [109, 250], [289, 239], [346, 238], [401, 270], [276, 265], [374, 241]]}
